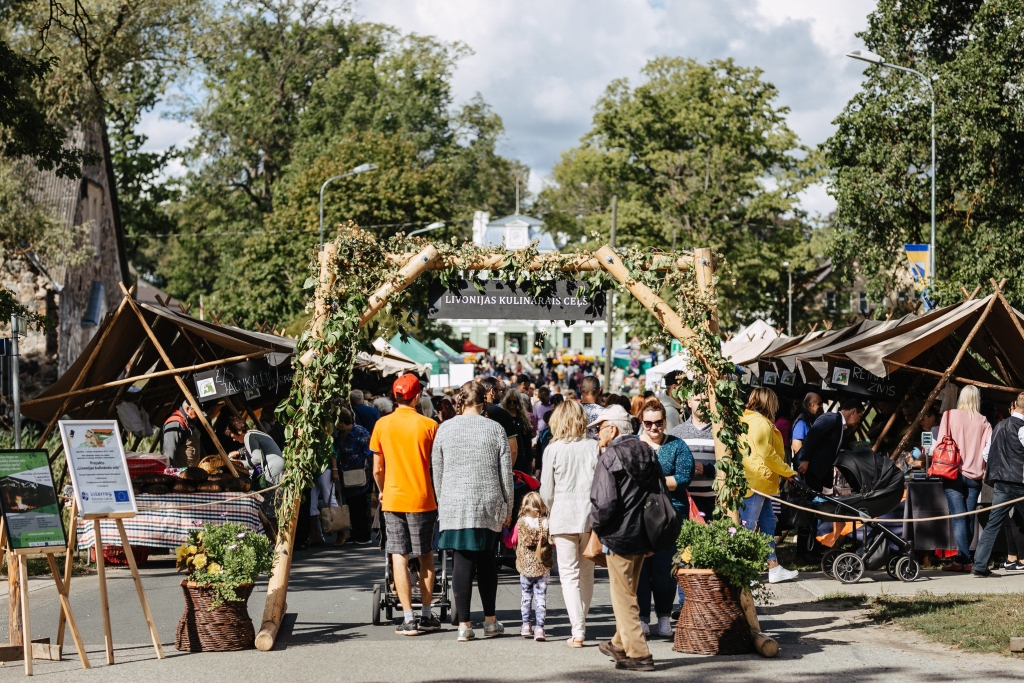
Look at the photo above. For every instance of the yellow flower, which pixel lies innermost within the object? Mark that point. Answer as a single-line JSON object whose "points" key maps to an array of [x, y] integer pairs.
{"points": [[214, 568], [199, 561], [200, 535], [686, 556], [192, 550], [180, 552]]}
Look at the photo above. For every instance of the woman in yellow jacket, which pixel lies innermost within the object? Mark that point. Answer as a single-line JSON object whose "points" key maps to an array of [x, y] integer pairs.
{"points": [[764, 464]]}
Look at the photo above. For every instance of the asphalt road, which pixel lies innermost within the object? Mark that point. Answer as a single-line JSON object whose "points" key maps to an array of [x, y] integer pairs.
{"points": [[328, 637]]}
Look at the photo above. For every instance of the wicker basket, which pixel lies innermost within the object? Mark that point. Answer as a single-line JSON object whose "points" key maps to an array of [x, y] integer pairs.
{"points": [[223, 629], [114, 555], [711, 621]]}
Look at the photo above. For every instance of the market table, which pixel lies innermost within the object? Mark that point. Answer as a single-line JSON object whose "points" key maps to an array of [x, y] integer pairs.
{"points": [[165, 520]]}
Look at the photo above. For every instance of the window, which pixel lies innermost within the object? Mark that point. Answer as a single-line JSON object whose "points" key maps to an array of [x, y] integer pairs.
{"points": [[862, 303], [830, 301], [567, 340], [492, 340], [588, 340]]}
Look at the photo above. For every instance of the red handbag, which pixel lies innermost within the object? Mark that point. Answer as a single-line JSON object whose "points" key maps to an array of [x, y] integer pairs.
{"points": [[946, 460]]}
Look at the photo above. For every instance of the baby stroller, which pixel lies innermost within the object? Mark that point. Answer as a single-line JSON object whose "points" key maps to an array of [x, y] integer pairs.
{"points": [[385, 597], [522, 484], [877, 485]]}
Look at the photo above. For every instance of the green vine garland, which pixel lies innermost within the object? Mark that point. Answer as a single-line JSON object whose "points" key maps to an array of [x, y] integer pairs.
{"points": [[362, 265]]}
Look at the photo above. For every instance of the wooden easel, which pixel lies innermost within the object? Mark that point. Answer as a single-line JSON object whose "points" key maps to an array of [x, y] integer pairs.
{"points": [[108, 638]]}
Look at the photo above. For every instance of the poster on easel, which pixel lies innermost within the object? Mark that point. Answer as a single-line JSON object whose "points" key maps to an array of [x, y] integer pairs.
{"points": [[28, 499], [99, 470]]}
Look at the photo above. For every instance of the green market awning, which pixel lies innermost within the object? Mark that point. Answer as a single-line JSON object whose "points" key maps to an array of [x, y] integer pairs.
{"points": [[420, 353]]}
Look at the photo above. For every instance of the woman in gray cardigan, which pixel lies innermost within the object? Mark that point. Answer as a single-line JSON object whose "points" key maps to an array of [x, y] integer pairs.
{"points": [[472, 467], [568, 473]]}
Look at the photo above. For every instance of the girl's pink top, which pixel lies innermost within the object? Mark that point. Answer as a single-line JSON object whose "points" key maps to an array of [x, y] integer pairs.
{"points": [[971, 432]]}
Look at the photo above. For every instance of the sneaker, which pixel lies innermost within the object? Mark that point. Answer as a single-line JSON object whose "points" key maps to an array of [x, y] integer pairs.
{"points": [[538, 634], [526, 631], [1017, 566], [466, 634], [431, 623], [636, 663], [408, 628], [606, 648], [645, 628], [493, 628], [665, 629], [779, 574]]}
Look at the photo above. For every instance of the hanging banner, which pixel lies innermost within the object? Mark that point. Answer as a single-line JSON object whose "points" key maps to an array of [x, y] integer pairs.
{"points": [[28, 499], [560, 300], [851, 378], [250, 377], [99, 471]]}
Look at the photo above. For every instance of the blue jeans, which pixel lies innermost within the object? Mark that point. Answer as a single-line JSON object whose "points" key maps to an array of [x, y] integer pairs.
{"points": [[1003, 492], [656, 577], [962, 496], [757, 512]]}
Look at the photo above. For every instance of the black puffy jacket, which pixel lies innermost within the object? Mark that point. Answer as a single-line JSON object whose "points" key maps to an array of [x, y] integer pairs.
{"points": [[627, 471]]}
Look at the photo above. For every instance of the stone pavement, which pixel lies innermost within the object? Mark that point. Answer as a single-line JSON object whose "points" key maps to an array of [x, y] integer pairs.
{"points": [[328, 636]]}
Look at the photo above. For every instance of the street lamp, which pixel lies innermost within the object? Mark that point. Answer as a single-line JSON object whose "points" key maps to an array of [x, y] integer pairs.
{"points": [[872, 58], [362, 168], [789, 297], [433, 226]]}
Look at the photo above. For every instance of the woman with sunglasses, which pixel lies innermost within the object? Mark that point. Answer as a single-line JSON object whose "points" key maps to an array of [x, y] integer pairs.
{"points": [[677, 465]]}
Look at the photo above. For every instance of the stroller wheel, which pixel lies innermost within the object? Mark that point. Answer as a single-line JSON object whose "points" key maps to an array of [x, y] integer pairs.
{"points": [[849, 568], [907, 568], [828, 561], [890, 567], [375, 619]]}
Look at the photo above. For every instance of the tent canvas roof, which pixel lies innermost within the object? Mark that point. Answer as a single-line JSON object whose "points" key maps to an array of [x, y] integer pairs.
{"points": [[419, 353]]}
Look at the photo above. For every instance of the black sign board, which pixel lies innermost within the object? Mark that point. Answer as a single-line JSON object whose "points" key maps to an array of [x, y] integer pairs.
{"points": [[850, 378], [558, 300], [251, 377]]}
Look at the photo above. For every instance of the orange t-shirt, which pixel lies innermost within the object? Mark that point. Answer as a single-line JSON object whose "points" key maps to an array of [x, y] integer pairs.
{"points": [[405, 439]]}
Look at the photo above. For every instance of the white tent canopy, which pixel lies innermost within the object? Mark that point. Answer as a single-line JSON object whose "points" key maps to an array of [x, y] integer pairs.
{"points": [[655, 374], [750, 342]]}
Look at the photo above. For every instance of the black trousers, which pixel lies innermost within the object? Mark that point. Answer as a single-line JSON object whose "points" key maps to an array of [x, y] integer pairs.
{"points": [[359, 511], [1014, 536], [486, 566]]}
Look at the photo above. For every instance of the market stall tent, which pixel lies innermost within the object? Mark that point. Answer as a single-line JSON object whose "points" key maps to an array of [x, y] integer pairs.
{"points": [[655, 374], [420, 353]]}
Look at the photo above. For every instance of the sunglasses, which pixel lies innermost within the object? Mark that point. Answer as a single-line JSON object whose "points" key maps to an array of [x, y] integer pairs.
{"points": [[652, 425]]}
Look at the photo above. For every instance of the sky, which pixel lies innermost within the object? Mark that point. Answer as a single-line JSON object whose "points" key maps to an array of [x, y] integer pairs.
{"points": [[542, 64]]}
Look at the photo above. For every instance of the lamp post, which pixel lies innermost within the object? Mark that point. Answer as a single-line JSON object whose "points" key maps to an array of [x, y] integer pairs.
{"points": [[789, 297], [362, 168], [433, 226], [872, 58]]}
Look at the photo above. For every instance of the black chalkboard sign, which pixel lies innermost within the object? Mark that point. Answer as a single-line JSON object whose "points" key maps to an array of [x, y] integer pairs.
{"points": [[498, 300]]}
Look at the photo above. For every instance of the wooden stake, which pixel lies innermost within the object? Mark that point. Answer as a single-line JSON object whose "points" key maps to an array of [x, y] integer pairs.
{"points": [[26, 638], [765, 645], [130, 556], [65, 606], [101, 572], [69, 561]]}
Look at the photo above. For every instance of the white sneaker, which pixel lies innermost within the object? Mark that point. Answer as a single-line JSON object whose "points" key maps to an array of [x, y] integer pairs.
{"points": [[779, 574], [466, 634], [665, 629], [646, 628]]}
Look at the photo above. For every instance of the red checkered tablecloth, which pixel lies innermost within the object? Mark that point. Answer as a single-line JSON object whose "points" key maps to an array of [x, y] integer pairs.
{"points": [[164, 521]]}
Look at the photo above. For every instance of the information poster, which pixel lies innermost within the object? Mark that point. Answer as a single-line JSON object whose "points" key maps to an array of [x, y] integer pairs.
{"points": [[99, 471], [29, 500]]}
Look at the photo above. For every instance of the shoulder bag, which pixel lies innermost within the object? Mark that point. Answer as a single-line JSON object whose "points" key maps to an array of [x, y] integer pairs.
{"points": [[946, 459], [334, 519]]}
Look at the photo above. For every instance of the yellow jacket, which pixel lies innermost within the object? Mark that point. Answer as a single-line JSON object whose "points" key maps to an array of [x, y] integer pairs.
{"points": [[765, 462]]}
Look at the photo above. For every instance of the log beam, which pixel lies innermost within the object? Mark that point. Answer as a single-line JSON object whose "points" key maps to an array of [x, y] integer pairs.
{"points": [[579, 263]]}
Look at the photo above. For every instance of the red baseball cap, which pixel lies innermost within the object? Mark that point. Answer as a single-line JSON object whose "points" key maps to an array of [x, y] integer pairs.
{"points": [[406, 387]]}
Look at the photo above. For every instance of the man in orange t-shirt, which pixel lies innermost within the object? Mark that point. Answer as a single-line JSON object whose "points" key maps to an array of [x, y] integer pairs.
{"points": [[402, 444]]}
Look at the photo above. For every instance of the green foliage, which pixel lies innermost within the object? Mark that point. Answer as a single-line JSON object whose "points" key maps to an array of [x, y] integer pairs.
{"points": [[224, 557], [699, 155], [736, 553], [879, 157]]}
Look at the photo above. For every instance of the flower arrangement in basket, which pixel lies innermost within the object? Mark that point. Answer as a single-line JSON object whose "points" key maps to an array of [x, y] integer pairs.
{"points": [[224, 557], [737, 554]]}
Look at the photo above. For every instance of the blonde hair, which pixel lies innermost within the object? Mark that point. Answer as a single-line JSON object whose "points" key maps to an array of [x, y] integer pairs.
{"points": [[764, 401], [970, 399], [533, 505], [568, 422]]}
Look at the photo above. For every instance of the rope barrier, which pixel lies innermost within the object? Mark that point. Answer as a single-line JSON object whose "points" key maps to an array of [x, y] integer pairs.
{"points": [[865, 520]]}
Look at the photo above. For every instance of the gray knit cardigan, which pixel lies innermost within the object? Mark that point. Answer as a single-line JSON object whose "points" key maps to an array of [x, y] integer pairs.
{"points": [[472, 473]]}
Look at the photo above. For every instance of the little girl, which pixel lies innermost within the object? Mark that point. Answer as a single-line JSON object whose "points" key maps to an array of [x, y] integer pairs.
{"points": [[534, 560]]}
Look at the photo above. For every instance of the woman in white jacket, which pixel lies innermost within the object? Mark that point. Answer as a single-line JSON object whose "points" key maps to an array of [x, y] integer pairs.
{"points": [[565, 482]]}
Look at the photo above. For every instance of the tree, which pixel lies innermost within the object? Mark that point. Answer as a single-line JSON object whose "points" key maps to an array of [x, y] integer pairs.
{"points": [[699, 155], [879, 157]]}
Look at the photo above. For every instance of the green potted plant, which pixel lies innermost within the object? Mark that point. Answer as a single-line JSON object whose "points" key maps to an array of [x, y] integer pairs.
{"points": [[715, 563], [223, 562]]}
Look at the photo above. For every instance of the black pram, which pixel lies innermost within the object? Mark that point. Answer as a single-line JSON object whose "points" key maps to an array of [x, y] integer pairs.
{"points": [[878, 486]]}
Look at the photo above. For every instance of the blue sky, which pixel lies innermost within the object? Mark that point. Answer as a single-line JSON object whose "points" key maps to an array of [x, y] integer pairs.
{"points": [[542, 64]]}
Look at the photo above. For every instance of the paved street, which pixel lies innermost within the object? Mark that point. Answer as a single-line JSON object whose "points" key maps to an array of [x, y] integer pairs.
{"points": [[328, 637]]}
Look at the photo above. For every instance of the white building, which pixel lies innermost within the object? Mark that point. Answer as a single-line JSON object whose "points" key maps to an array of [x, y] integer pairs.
{"points": [[522, 336]]}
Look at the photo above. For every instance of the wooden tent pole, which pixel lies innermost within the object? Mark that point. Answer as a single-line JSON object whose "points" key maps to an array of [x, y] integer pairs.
{"points": [[955, 378], [947, 374], [895, 413], [181, 385]]}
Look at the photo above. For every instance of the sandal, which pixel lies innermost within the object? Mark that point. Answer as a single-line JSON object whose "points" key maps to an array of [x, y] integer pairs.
{"points": [[574, 642]]}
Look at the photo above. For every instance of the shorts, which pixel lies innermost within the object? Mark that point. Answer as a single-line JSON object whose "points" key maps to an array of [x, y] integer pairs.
{"points": [[410, 533]]}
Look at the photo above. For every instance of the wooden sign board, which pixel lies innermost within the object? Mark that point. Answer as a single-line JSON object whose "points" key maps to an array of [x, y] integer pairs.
{"points": [[99, 471]]}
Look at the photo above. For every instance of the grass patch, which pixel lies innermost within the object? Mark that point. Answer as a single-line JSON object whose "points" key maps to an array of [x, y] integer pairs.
{"points": [[973, 623], [842, 600]]}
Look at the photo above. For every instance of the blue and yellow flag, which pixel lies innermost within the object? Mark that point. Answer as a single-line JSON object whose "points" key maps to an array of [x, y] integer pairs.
{"points": [[918, 254]]}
